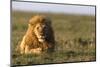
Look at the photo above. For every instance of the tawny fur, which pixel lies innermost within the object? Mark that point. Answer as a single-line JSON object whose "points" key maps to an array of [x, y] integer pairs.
{"points": [[30, 43]]}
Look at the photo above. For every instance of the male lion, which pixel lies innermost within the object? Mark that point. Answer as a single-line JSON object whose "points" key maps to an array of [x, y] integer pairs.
{"points": [[39, 36]]}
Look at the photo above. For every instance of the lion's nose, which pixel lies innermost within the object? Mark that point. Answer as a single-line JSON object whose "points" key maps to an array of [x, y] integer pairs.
{"points": [[42, 37]]}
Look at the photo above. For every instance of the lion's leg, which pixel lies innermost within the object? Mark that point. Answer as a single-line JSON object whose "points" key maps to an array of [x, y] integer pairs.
{"points": [[36, 51], [22, 46], [27, 50]]}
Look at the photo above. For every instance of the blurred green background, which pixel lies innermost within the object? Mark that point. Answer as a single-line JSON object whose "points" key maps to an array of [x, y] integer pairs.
{"points": [[74, 35]]}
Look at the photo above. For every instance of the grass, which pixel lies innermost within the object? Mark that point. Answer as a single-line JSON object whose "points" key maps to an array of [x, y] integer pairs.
{"points": [[74, 35]]}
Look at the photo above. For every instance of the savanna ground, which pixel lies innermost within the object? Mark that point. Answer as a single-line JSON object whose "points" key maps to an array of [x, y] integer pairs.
{"points": [[74, 35]]}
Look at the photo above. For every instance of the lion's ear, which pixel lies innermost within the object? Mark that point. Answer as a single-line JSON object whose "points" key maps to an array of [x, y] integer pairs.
{"points": [[33, 20], [30, 21]]}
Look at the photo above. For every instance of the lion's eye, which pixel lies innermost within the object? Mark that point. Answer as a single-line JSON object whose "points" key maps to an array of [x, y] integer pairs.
{"points": [[37, 27], [44, 26]]}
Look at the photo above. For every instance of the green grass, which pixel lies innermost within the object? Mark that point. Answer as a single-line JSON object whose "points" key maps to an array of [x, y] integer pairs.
{"points": [[74, 35]]}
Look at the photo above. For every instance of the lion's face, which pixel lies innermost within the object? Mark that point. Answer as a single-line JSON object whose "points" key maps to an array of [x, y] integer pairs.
{"points": [[40, 31]]}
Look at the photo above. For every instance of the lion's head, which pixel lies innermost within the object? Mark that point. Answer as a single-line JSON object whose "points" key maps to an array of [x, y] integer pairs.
{"points": [[41, 25], [40, 31]]}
